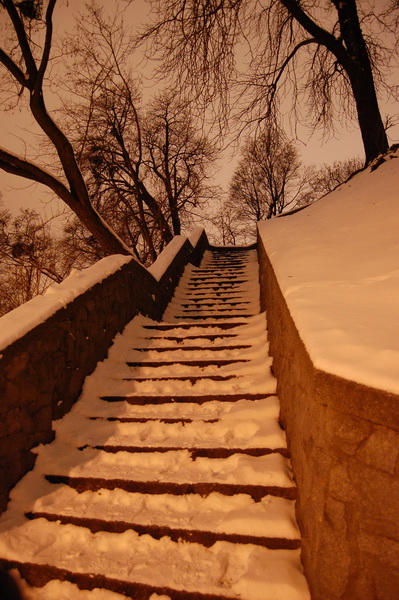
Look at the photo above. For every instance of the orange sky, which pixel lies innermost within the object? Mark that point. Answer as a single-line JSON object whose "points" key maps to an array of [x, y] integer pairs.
{"points": [[17, 192]]}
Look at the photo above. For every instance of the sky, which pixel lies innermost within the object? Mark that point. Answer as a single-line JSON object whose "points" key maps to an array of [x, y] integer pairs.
{"points": [[17, 127]]}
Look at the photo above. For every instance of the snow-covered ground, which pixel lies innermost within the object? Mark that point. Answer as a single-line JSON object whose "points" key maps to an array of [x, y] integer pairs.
{"points": [[337, 263]]}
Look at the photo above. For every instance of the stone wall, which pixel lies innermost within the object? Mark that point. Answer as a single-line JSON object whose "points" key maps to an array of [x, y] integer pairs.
{"points": [[344, 444], [41, 373]]}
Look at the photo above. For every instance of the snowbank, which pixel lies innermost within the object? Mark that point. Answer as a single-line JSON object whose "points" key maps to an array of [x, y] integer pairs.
{"points": [[337, 265]]}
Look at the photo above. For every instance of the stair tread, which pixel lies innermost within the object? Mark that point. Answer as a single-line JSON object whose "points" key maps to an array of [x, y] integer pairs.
{"points": [[196, 408], [241, 428], [214, 349], [272, 517], [170, 467], [173, 399], [205, 537], [148, 566], [204, 488], [187, 362]]}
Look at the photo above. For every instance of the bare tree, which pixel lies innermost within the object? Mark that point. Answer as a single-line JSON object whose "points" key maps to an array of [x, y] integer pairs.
{"points": [[25, 60], [111, 154], [31, 258], [329, 55], [178, 157], [328, 177], [145, 167], [269, 178]]}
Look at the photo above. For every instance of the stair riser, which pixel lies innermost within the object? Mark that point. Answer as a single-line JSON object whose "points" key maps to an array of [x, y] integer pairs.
{"points": [[205, 538], [257, 492]]}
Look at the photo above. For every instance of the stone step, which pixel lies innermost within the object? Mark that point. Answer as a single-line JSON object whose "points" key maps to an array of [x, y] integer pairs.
{"points": [[224, 571], [243, 428], [38, 575], [222, 271], [217, 304], [199, 349], [212, 316], [217, 362], [212, 277], [168, 421], [178, 378], [260, 409], [210, 327], [203, 537], [222, 292], [193, 451], [94, 484], [170, 468], [185, 398], [210, 337], [216, 513], [214, 306], [207, 352], [213, 311], [229, 262], [220, 283]]}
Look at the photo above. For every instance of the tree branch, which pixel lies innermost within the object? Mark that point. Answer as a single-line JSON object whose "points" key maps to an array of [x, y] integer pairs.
{"points": [[321, 35], [281, 69], [47, 45], [22, 38], [16, 165], [13, 68]]}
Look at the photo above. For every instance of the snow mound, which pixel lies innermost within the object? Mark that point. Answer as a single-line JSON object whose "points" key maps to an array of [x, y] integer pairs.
{"points": [[337, 265]]}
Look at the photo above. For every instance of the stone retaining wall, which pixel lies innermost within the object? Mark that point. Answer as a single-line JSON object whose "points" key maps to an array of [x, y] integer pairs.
{"points": [[344, 443], [42, 372]]}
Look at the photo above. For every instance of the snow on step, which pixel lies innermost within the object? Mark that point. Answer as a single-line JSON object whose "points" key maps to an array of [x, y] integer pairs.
{"points": [[169, 478], [196, 281], [235, 570], [239, 514], [64, 590], [185, 352], [240, 429], [175, 466], [91, 406]]}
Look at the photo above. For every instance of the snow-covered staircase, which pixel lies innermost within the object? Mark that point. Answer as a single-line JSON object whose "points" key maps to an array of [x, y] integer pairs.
{"points": [[170, 478]]}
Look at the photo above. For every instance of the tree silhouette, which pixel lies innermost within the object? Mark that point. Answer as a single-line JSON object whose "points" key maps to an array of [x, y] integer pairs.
{"points": [[324, 57]]}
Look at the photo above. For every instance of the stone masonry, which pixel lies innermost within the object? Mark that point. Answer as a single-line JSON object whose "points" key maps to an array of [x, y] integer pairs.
{"points": [[344, 444]]}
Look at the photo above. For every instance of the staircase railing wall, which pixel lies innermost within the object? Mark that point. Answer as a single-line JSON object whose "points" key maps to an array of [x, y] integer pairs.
{"points": [[344, 443], [42, 371]]}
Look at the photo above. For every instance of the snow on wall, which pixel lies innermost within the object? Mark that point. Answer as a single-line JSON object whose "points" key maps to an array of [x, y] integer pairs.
{"points": [[158, 268], [18, 322], [337, 264]]}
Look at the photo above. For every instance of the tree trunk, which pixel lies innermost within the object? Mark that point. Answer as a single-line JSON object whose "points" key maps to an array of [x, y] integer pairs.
{"points": [[374, 138], [351, 52], [174, 213], [360, 74], [156, 211], [144, 230], [106, 237]]}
